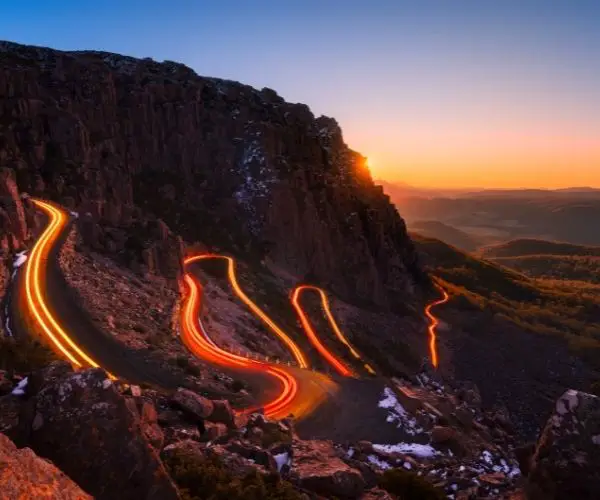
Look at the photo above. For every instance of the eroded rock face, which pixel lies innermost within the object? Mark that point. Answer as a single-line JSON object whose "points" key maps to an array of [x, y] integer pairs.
{"points": [[24, 475], [566, 461], [137, 144], [95, 435]]}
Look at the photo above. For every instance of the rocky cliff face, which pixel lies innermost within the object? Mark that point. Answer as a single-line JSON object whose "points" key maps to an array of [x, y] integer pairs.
{"points": [[131, 141], [15, 219]]}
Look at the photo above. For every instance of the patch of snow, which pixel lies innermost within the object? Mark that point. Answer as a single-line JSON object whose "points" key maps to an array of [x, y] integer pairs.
{"points": [[350, 453], [257, 177], [75, 214], [596, 439], [567, 402], [106, 383], [407, 465], [20, 259], [7, 321], [20, 389], [419, 450], [454, 487], [282, 459], [375, 460], [397, 413]]}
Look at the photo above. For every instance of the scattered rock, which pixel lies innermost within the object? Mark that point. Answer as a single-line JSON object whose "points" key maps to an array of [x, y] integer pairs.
{"points": [[213, 431], [222, 413]]}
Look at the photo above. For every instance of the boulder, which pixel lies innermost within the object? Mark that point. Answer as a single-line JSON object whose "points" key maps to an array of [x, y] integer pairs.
{"points": [[193, 404], [441, 434], [254, 453], [223, 413], [317, 467], [566, 461], [464, 417], [214, 430], [150, 427], [94, 434], [25, 475]]}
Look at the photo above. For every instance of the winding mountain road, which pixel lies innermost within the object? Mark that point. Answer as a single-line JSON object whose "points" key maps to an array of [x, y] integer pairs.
{"points": [[301, 390], [434, 323], [44, 305], [337, 364]]}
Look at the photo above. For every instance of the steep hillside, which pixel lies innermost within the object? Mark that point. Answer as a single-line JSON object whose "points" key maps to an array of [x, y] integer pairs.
{"points": [[128, 141], [521, 340], [548, 259]]}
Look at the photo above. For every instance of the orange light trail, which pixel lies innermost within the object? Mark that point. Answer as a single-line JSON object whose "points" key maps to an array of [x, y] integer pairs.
{"points": [[34, 277], [300, 359], [434, 324], [340, 367], [202, 346]]}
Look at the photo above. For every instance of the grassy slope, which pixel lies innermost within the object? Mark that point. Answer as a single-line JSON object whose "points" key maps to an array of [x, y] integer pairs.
{"points": [[529, 246], [548, 259], [570, 309]]}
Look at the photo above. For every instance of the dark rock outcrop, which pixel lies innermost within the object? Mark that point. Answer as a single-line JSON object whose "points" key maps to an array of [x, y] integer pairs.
{"points": [[140, 145], [566, 461], [25, 475], [94, 434], [14, 228]]}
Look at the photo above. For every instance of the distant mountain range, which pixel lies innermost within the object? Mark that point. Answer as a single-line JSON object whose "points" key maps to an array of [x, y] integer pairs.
{"points": [[469, 218]]}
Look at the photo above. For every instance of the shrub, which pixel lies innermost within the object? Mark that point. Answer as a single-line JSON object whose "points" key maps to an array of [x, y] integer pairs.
{"points": [[409, 486], [208, 478], [24, 355]]}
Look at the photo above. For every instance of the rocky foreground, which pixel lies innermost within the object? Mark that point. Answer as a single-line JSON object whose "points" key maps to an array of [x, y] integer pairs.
{"points": [[119, 441]]}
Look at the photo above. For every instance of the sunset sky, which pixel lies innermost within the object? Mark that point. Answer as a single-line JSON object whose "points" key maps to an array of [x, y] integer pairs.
{"points": [[440, 93]]}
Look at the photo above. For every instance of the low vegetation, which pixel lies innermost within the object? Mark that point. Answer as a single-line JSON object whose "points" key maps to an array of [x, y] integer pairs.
{"points": [[408, 485], [24, 355], [565, 308], [208, 478], [556, 267], [531, 246]]}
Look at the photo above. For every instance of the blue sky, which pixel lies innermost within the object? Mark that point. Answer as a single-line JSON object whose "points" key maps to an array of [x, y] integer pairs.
{"points": [[447, 92]]}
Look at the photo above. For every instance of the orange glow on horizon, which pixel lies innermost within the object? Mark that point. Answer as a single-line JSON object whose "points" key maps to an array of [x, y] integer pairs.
{"points": [[509, 158]]}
